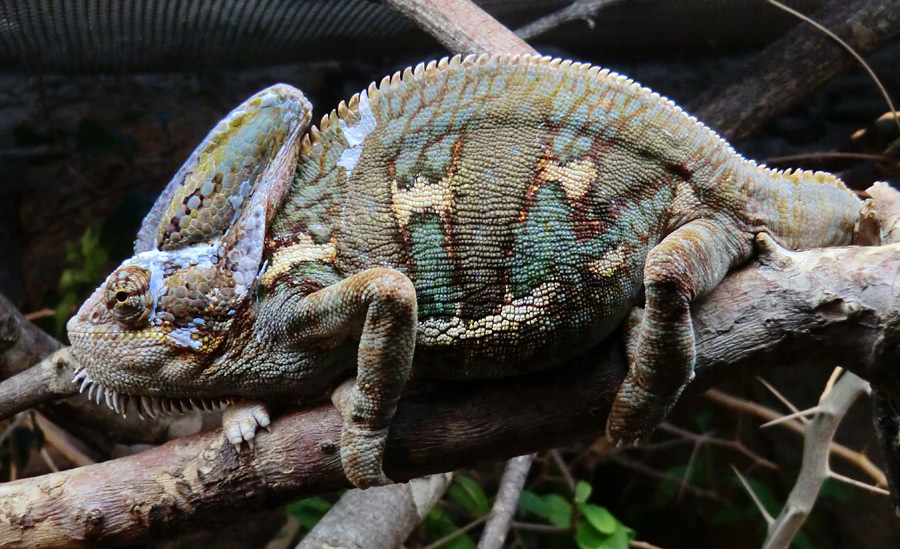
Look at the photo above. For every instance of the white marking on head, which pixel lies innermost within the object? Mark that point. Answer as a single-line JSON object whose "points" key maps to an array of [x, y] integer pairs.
{"points": [[204, 256], [182, 337]]}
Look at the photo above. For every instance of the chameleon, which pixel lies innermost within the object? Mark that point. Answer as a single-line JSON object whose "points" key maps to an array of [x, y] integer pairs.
{"points": [[472, 217]]}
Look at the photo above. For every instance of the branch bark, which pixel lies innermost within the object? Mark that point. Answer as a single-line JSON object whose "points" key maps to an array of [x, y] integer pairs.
{"points": [[511, 484], [461, 26], [377, 517], [814, 308]]}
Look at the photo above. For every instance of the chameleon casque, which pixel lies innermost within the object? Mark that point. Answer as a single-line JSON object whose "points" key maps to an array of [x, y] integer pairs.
{"points": [[473, 217]]}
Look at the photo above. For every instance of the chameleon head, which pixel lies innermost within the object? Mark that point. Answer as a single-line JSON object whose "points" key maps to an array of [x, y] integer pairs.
{"points": [[154, 327]]}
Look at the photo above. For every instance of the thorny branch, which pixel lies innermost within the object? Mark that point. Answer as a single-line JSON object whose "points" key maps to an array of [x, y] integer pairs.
{"points": [[853, 457], [787, 307], [814, 470]]}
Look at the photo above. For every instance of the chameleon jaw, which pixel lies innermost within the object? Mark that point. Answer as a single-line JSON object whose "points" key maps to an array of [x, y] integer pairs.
{"points": [[146, 405]]}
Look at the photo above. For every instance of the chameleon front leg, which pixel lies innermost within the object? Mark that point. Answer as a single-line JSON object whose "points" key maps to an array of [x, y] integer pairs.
{"points": [[383, 302], [688, 263]]}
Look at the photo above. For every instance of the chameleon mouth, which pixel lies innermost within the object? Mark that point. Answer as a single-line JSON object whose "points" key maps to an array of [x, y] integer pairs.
{"points": [[151, 406]]}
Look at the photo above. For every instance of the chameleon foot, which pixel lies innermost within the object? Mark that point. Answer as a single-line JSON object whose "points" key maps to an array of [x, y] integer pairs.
{"points": [[240, 421], [361, 454], [362, 448], [635, 414]]}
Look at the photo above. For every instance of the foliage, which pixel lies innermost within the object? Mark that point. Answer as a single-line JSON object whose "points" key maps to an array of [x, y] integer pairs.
{"points": [[87, 264], [594, 526], [572, 519]]}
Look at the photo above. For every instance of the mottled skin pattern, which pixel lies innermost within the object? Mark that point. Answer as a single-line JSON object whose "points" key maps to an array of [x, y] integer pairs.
{"points": [[472, 218]]}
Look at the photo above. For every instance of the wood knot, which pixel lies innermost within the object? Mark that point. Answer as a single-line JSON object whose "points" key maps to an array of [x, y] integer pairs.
{"points": [[329, 447]]}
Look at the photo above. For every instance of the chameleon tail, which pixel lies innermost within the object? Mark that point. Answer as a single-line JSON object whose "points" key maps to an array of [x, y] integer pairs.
{"points": [[803, 209]]}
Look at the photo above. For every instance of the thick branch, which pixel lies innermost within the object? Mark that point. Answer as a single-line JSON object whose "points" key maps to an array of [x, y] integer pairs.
{"points": [[816, 308], [461, 26], [377, 517], [21, 342], [795, 65]]}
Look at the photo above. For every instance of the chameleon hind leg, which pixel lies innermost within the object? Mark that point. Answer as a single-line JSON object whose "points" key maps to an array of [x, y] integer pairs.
{"points": [[382, 302], [688, 263]]}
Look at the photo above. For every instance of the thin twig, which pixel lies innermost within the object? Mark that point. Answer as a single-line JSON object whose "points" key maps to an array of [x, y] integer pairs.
{"points": [[539, 528], [784, 400], [853, 482], [619, 458], [643, 545], [579, 9], [511, 483], [796, 415], [733, 444], [456, 533], [563, 469]]}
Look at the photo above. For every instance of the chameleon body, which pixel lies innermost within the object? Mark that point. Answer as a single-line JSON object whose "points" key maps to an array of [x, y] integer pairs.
{"points": [[469, 218]]}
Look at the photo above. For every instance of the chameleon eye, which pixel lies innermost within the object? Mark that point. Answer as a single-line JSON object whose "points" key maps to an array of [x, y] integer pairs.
{"points": [[128, 295]]}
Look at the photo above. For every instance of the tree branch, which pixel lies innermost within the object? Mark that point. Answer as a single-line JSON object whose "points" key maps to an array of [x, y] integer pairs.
{"points": [[461, 26], [378, 517], [792, 67], [815, 469], [511, 484], [817, 308]]}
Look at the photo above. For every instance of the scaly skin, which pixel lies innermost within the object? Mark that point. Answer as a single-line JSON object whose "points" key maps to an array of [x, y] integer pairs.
{"points": [[471, 218]]}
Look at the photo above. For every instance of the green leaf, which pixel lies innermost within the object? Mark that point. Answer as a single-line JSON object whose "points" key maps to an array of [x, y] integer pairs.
{"points": [[620, 539], [534, 504], [468, 493], [599, 517], [308, 511], [560, 514], [587, 537], [553, 507], [582, 491], [438, 525]]}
